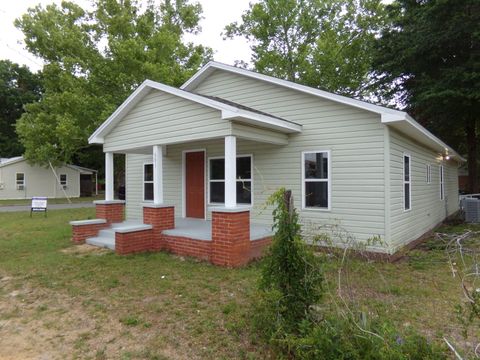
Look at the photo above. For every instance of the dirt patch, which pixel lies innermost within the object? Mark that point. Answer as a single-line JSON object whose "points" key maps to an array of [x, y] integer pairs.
{"points": [[85, 249], [40, 324]]}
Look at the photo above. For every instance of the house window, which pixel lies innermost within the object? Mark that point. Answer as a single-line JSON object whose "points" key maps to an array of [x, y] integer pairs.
{"points": [[429, 174], [63, 180], [407, 184], [442, 187], [216, 180], [20, 181], [148, 182], [316, 180]]}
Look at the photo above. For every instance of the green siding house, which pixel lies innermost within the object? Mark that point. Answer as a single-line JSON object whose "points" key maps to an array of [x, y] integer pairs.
{"points": [[229, 137]]}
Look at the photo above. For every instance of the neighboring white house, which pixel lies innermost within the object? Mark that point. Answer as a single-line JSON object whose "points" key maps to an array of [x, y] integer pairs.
{"points": [[19, 180], [369, 170]]}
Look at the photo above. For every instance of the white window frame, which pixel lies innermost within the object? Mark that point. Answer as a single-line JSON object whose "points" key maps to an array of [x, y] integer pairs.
{"points": [[63, 183], [145, 182], [21, 183], [328, 180], [237, 180], [441, 182], [429, 174], [407, 182]]}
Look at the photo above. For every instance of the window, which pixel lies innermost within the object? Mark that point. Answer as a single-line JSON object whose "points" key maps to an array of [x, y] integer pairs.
{"points": [[407, 184], [148, 182], [316, 180], [442, 187], [216, 180], [429, 174], [63, 180], [20, 181]]}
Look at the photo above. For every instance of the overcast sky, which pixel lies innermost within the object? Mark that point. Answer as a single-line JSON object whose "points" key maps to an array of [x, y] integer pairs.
{"points": [[216, 13]]}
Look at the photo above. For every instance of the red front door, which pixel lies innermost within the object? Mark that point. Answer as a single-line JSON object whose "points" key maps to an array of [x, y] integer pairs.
{"points": [[195, 184]]}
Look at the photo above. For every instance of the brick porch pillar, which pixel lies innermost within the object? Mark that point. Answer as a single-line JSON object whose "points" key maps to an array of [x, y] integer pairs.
{"points": [[110, 210], [161, 217], [230, 236]]}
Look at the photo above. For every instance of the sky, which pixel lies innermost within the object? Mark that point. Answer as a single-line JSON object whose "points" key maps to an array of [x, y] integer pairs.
{"points": [[216, 13]]}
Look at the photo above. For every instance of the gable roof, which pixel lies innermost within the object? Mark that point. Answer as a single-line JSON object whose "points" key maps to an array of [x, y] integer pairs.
{"points": [[397, 119], [17, 159], [228, 109]]}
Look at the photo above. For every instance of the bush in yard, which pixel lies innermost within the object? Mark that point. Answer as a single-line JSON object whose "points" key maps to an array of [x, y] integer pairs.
{"points": [[287, 312]]}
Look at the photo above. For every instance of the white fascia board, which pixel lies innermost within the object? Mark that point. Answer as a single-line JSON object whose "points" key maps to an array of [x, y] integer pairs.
{"points": [[262, 120], [13, 161], [98, 136]]}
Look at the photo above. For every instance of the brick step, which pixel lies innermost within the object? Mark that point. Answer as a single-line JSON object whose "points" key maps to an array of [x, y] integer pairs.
{"points": [[104, 242]]}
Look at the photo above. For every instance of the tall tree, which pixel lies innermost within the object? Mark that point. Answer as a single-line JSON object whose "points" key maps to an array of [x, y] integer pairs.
{"points": [[94, 59], [431, 55], [18, 87], [325, 44]]}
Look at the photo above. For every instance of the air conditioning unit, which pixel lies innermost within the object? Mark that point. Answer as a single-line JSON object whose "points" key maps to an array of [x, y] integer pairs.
{"points": [[472, 210], [21, 187], [65, 187], [2, 186]]}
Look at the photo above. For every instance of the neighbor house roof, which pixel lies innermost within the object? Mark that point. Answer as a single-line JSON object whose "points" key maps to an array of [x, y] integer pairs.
{"points": [[17, 159], [229, 111], [399, 120]]}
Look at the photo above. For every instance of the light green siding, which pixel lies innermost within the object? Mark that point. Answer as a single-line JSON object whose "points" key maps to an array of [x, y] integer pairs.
{"points": [[354, 137], [161, 118], [427, 208], [39, 181]]}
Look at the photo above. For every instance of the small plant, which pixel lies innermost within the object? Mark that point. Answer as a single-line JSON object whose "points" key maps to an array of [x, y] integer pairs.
{"points": [[130, 321], [292, 278]]}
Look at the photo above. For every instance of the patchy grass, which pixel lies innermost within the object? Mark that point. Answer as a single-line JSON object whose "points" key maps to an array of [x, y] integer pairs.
{"points": [[28, 201], [57, 298]]}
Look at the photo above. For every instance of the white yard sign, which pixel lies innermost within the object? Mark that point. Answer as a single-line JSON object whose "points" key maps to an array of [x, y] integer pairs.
{"points": [[39, 204]]}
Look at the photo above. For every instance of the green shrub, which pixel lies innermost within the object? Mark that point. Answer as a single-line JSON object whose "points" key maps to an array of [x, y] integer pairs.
{"points": [[291, 276]]}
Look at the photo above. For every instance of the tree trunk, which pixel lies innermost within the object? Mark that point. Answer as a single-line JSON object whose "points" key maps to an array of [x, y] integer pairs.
{"points": [[471, 132]]}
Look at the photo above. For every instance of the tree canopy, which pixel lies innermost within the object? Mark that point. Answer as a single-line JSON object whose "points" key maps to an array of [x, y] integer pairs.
{"points": [[431, 55], [94, 60], [324, 44], [18, 87]]}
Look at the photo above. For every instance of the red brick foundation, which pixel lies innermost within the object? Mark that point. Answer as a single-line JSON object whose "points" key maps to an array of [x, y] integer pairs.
{"points": [[112, 211], [230, 238], [133, 242], [161, 218], [81, 230], [188, 247], [258, 248]]}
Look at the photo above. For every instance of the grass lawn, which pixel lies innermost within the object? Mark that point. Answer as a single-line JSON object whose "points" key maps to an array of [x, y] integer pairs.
{"points": [[51, 201], [58, 299]]}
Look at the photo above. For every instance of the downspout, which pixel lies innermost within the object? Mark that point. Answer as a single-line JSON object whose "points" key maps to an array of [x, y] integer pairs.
{"points": [[386, 179]]}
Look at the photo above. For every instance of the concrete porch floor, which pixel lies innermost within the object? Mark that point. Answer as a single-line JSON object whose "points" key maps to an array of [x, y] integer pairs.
{"points": [[202, 229]]}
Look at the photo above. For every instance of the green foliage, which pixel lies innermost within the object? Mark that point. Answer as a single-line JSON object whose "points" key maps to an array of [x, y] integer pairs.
{"points": [[291, 277], [18, 86], [94, 60], [335, 338], [431, 55], [325, 44]]}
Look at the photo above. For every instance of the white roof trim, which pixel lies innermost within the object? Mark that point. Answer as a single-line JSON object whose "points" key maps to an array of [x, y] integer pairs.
{"points": [[387, 115], [228, 111], [11, 161]]}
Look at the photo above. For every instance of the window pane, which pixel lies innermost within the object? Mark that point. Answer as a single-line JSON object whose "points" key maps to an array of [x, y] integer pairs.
{"points": [[244, 192], [217, 192], [63, 178], [148, 173], [407, 196], [406, 167], [316, 166], [316, 194], [148, 194], [217, 169], [244, 168], [20, 177]]}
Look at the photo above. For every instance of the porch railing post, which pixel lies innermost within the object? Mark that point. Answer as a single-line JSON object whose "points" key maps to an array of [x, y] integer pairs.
{"points": [[230, 171], [157, 174]]}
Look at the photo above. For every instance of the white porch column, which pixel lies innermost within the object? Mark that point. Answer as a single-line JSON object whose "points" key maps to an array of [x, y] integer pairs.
{"points": [[157, 174], [109, 176], [230, 171]]}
